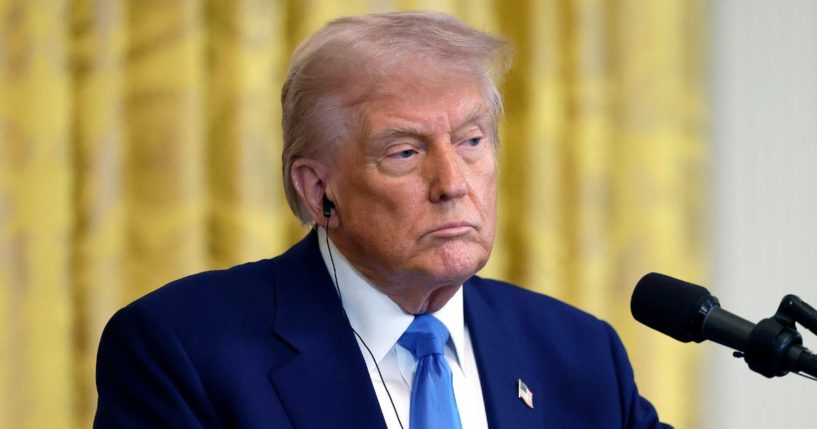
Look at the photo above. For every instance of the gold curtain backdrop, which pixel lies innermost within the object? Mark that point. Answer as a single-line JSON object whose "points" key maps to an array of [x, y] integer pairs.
{"points": [[140, 141]]}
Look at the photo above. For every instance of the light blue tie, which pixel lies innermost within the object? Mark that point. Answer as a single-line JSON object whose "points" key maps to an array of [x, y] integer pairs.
{"points": [[433, 405]]}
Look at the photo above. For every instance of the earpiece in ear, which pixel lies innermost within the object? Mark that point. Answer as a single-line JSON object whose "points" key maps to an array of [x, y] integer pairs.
{"points": [[328, 206]]}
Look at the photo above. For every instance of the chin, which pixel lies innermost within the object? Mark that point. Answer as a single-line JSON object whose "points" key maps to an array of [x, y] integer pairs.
{"points": [[456, 267]]}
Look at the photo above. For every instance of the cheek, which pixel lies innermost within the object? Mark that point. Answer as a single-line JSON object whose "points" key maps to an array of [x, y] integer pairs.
{"points": [[383, 210], [485, 202], [485, 188], [402, 201]]}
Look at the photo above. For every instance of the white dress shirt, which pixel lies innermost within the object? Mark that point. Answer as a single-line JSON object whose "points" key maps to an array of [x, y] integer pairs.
{"points": [[380, 322]]}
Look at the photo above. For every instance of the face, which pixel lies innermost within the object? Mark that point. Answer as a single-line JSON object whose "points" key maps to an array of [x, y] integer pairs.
{"points": [[415, 191]]}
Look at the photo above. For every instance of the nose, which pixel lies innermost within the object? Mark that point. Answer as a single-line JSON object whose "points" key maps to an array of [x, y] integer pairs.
{"points": [[447, 174]]}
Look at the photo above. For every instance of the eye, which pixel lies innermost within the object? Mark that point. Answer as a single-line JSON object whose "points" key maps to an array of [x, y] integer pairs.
{"points": [[404, 154], [473, 142]]}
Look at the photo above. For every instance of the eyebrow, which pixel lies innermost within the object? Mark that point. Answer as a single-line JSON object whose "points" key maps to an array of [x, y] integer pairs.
{"points": [[477, 115], [397, 132]]}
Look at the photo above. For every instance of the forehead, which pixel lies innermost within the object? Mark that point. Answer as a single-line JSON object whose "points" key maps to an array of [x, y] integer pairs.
{"points": [[424, 104]]}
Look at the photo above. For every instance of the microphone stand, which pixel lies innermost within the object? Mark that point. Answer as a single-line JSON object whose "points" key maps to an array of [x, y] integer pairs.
{"points": [[775, 348]]}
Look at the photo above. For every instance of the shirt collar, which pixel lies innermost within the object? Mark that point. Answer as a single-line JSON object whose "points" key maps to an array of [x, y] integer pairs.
{"points": [[375, 317], [452, 317]]}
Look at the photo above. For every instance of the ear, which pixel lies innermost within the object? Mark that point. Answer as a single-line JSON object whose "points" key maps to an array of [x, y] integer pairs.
{"points": [[310, 177]]}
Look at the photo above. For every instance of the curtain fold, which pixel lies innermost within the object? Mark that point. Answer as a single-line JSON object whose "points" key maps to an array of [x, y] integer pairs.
{"points": [[36, 217], [246, 58], [98, 147], [140, 142]]}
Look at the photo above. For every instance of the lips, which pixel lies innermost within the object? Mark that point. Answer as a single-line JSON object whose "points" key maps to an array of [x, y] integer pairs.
{"points": [[452, 229]]}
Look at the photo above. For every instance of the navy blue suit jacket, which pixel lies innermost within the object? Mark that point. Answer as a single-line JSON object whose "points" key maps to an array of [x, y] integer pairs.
{"points": [[266, 345]]}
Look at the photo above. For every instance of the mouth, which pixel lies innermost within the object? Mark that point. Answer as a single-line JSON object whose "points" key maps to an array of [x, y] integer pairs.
{"points": [[451, 230]]}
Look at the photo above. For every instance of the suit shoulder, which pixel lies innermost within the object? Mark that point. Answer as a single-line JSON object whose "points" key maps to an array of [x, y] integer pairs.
{"points": [[224, 281], [526, 301], [541, 316], [204, 295]]}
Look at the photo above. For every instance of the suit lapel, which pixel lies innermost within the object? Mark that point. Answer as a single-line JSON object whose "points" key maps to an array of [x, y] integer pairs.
{"points": [[326, 383], [501, 361]]}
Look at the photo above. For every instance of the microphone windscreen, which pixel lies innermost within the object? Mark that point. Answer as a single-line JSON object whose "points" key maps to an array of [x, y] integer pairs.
{"points": [[669, 305]]}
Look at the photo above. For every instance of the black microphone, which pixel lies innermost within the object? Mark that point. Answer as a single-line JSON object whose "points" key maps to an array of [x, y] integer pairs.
{"points": [[688, 312]]}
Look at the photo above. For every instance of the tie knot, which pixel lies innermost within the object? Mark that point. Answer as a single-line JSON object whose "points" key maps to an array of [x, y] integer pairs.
{"points": [[425, 336]]}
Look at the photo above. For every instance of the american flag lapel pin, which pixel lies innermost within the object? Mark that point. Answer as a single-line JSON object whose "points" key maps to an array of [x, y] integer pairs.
{"points": [[525, 394]]}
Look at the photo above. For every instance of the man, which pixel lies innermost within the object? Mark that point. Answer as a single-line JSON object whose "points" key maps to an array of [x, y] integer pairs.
{"points": [[375, 319]]}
